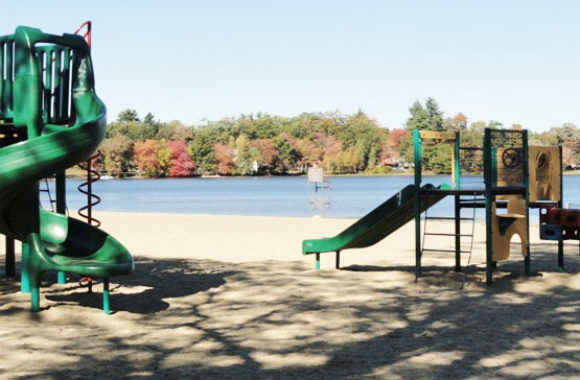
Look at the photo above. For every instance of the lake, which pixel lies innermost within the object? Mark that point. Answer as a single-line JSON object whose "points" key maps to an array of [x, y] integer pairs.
{"points": [[352, 197]]}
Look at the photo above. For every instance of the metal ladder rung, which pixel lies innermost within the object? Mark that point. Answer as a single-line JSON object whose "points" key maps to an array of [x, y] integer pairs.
{"points": [[445, 218], [46, 190], [444, 234], [443, 250]]}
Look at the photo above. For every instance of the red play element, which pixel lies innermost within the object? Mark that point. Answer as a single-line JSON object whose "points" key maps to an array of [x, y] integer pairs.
{"points": [[565, 217], [559, 223], [87, 33], [570, 217], [88, 282]]}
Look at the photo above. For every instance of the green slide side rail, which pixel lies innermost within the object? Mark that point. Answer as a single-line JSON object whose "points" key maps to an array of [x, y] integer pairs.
{"points": [[376, 225], [47, 93]]}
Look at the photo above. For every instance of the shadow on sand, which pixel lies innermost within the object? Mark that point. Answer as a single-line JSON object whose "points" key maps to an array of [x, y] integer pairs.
{"points": [[282, 320]]}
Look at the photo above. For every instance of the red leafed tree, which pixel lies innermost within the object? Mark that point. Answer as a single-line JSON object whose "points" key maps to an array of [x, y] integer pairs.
{"points": [[224, 158], [181, 163], [268, 151], [396, 137], [391, 149], [145, 156]]}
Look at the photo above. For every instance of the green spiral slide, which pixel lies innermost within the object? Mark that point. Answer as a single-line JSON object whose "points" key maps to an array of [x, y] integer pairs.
{"points": [[50, 119]]}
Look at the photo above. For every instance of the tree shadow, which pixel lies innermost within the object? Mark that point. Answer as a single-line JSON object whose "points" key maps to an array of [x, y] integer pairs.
{"points": [[157, 280], [284, 321]]}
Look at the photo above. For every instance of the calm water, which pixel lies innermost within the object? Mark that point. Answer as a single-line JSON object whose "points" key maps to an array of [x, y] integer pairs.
{"points": [[275, 196]]}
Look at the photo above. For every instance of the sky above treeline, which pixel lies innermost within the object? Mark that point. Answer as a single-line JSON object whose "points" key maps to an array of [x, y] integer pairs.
{"points": [[508, 61]]}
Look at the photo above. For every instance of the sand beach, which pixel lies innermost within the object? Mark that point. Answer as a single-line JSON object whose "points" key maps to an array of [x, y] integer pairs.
{"points": [[232, 297]]}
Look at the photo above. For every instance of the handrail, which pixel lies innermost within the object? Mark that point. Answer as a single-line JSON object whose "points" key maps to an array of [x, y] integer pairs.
{"points": [[87, 34]]}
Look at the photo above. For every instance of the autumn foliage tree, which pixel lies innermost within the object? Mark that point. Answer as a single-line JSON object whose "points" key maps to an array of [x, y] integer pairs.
{"points": [[267, 152], [181, 163], [163, 159], [145, 156], [116, 155], [224, 158], [276, 145]]}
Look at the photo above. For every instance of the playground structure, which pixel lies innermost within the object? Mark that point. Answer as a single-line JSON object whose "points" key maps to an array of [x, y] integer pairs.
{"points": [[319, 191], [50, 120], [515, 178]]}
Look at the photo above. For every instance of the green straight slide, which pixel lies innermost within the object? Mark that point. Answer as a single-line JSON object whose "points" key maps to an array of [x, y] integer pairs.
{"points": [[376, 225], [48, 104]]}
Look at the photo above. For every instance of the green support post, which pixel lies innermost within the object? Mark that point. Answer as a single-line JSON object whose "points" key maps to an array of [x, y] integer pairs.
{"points": [[24, 277], [60, 184], [34, 299], [456, 163], [487, 176], [457, 233], [61, 277], [106, 305], [457, 184], [417, 202], [560, 205], [10, 257], [317, 261], [527, 259]]}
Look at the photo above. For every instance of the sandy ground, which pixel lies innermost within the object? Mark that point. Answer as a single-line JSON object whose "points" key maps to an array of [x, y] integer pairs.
{"points": [[232, 297]]}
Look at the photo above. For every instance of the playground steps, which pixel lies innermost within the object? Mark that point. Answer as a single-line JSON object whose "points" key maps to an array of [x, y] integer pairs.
{"points": [[45, 189], [457, 234]]}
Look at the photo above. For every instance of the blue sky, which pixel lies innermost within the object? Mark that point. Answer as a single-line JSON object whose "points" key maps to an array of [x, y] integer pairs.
{"points": [[510, 61]]}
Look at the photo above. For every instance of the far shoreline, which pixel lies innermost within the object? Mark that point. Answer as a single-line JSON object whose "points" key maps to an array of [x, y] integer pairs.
{"points": [[76, 176]]}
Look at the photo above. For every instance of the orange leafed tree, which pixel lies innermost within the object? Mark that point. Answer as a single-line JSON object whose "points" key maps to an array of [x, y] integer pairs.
{"points": [[460, 121], [267, 151], [224, 158], [311, 152], [145, 156]]}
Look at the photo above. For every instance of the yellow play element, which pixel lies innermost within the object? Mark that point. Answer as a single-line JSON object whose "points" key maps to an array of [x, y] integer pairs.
{"points": [[544, 173], [437, 137], [505, 226], [509, 166]]}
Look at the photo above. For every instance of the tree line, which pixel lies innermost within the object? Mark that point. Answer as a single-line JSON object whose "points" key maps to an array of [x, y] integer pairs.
{"points": [[265, 144]]}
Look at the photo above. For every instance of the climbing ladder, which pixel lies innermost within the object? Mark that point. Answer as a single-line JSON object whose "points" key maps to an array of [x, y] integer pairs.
{"points": [[457, 234], [46, 190]]}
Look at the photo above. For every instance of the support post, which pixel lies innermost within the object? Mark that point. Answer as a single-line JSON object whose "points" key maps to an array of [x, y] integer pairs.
{"points": [[456, 162], [60, 185], [417, 202], [61, 277], [34, 299], [317, 261], [10, 257], [24, 278], [527, 259], [560, 205], [337, 264], [106, 305], [457, 233], [487, 174], [457, 184]]}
